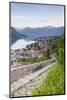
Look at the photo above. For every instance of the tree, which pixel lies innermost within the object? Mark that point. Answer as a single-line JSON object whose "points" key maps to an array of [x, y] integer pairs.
{"points": [[47, 54], [60, 50], [60, 55]]}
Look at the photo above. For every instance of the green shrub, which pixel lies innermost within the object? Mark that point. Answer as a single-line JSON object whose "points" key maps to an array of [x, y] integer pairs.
{"points": [[60, 50], [60, 56]]}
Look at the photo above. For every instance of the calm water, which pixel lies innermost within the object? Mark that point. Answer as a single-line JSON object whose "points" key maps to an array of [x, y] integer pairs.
{"points": [[21, 43]]}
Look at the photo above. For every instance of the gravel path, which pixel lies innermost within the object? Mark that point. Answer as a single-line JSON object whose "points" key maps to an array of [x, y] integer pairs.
{"points": [[26, 90]]}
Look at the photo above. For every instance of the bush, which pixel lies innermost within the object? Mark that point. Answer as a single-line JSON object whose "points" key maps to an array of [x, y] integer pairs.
{"points": [[60, 56], [60, 50]]}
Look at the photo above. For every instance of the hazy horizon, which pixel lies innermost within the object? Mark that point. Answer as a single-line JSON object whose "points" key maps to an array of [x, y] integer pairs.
{"points": [[37, 27]]}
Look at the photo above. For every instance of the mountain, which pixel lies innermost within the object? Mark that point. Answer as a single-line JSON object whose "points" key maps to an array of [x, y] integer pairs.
{"points": [[15, 35], [33, 33]]}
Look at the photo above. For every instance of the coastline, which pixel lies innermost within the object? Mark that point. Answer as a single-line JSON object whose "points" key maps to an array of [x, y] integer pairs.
{"points": [[21, 43]]}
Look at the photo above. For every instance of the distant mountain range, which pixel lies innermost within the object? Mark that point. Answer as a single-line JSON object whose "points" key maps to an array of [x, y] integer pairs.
{"points": [[33, 33], [15, 35]]}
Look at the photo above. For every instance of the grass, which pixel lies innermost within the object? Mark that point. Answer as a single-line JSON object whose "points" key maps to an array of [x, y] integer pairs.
{"points": [[54, 82]]}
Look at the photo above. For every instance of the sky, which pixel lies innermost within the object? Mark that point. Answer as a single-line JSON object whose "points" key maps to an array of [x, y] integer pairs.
{"points": [[32, 15]]}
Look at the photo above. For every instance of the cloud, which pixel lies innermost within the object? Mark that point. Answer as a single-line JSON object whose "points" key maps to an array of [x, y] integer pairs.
{"points": [[32, 21], [43, 20], [21, 17]]}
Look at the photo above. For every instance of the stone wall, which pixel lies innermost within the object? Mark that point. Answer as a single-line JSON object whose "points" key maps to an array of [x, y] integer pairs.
{"points": [[27, 69]]}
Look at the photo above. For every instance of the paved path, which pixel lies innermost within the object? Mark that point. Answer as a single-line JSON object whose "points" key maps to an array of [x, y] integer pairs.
{"points": [[22, 71], [23, 86]]}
